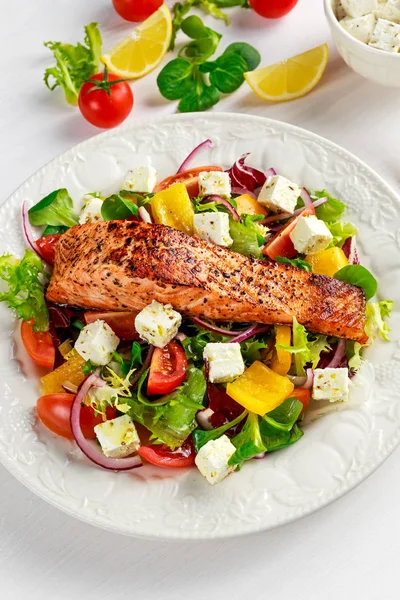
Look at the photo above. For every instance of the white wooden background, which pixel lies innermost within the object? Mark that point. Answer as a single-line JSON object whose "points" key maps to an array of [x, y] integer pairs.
{"points": [[350, 549]]}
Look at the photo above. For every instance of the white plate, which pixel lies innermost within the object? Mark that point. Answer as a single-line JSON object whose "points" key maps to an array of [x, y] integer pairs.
{"points": [[336, 452]]}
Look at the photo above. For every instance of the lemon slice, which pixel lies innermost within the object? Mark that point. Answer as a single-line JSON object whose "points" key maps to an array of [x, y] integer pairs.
{"points": [[291, 78], [143, 50]]}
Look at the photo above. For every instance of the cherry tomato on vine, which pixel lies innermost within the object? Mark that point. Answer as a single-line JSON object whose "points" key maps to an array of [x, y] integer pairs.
{"points": [[105, 100], [272, 9], [136, 10]]}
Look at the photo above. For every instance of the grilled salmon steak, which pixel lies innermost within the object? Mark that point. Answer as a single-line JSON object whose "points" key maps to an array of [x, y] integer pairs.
{"points": [[124, 265]]}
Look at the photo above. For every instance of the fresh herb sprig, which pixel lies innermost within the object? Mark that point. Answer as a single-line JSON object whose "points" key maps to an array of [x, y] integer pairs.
{"points": [[184, 78]]}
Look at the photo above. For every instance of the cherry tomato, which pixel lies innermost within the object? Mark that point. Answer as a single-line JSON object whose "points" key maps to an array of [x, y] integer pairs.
{"points": [[272, 9], [47, 247], [122, 323], [281, 244], [39, 345], [101, 109], [167, 370], [303, 395], [136, 10], [190, 178], [162, 456], [54, 411]]}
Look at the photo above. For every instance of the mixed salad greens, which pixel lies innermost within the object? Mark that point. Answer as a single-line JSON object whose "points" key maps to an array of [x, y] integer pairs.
{"points": [[197, 392]]}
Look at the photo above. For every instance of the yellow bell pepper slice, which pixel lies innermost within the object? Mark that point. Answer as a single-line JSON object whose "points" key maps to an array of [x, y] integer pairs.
{"points": [[173, 207], [70, 371], [246, 205], [259, 389], [327, 262], [282, 359]]}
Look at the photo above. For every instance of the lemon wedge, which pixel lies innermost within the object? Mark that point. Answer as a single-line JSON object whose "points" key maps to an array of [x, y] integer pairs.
{"points": [[143, 50], [291, 78]]}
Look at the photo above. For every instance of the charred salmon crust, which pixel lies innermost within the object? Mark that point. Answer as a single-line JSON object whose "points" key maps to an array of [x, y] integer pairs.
{"points": [[124, 265]]}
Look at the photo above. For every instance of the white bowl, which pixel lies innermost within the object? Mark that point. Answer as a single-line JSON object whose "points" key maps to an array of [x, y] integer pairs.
{"points": [[377, 65]]}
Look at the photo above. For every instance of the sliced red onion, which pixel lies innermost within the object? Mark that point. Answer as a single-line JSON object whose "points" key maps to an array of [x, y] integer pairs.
{"points": [[239, 190], [260, 456], [339, 355], [220, 200], [270, 172], [305, 196], [188, 159], [70, 387], [144, 367], [253, 330], [309, 380], [180, 336], [203, 419], [284, 216], [27, 229], [89, 448], [214, 328], [144, 215], [298, 380], [350, 251]]}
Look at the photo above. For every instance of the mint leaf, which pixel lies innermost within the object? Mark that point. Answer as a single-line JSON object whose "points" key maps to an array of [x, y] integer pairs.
{"points": [[175, 79], [247, 52]]}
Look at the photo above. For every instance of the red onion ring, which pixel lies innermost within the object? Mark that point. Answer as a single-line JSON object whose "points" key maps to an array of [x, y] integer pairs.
{"points": [[270, 172], [27, 229], [88, 448], [284, 216], [240, 190], [253, 330], [260, 456], [184, 165], [215, 329], [220, 200], [145, 215], [203, 418], [144, 367], [309, 380], [338, 356], [180, 336], [305, 196]]}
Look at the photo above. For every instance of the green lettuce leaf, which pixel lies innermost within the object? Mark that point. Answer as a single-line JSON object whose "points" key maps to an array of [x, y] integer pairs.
{"points": [[305, 350], [354, 355], [74, 64], [331, 210], [26, 279], [341, 232], [377, 313], [55, 209], [172, 422], [285, 415], [201, 436], [247, 236]]}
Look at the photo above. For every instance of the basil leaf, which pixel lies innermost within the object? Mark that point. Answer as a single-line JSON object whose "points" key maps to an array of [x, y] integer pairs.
{"points": [[247, 52], [296, 262], [116, 207], [175, 79], [201, 98], [359, 276], [55, 209], [229, 74], [331, 210]]}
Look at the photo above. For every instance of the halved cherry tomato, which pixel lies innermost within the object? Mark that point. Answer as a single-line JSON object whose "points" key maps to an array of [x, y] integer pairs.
{"points": [[162, 456], [190, 178], [39, 345], [167, 370], [303, 395], [281, 244], [272, 9], [122, 323], [47, 247], [54, 411], [136, 10]]}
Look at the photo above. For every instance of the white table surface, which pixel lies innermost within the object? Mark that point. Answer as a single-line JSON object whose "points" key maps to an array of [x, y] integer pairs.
{"points": [[349, 549]]}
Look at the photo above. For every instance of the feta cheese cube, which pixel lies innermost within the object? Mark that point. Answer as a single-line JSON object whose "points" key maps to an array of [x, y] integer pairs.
{"points": [[118, 437], [331, 384], [158, 323], [215, 182], [339, 10], [143, 180], [213, 227], [97, 342], [359, 8], [361, 27], [389, 10], [279, 195], [386, 36], [225, 361], [212, 459], [310, 235], [91, 210]]}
